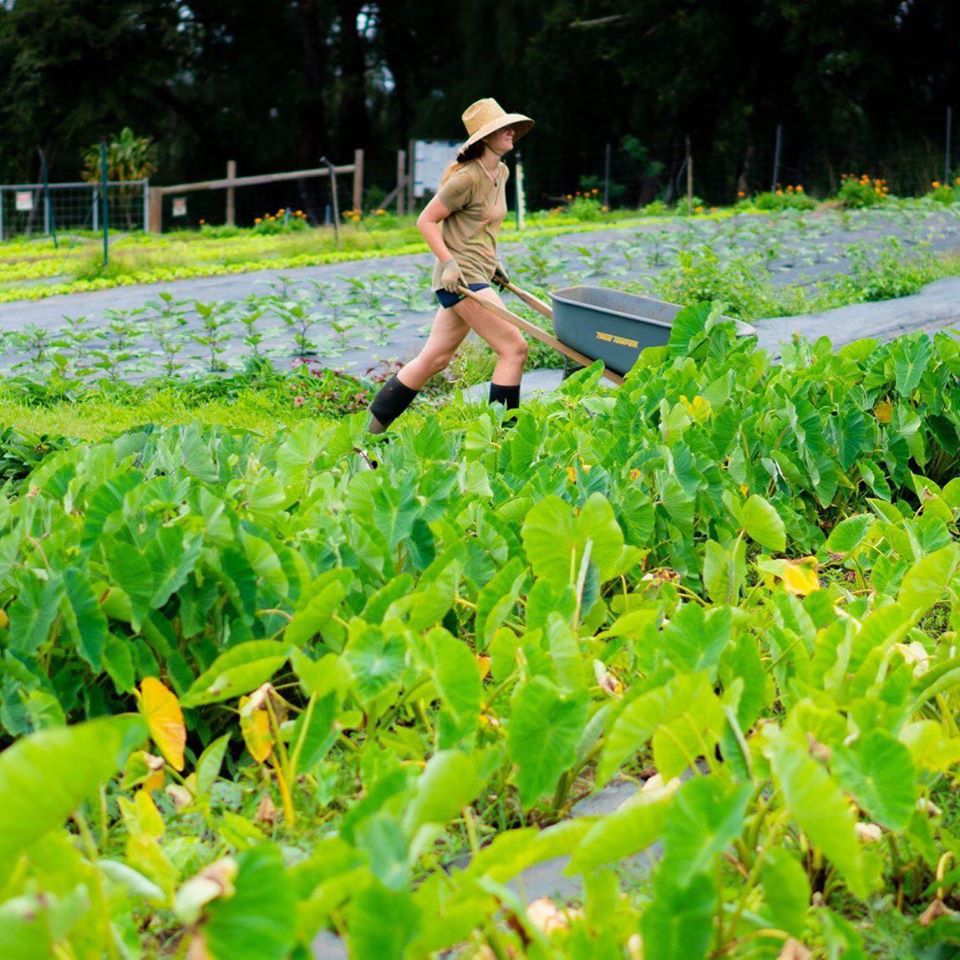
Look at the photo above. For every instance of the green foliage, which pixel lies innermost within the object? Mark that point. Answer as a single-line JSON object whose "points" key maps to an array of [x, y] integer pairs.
{"points": [[129, 157], [945, 193], [791, 198], [856, 193], [740, 573]]}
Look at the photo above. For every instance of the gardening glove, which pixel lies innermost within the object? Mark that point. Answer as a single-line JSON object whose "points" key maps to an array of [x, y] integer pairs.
{"points": [[451, 278], [500, 275]]}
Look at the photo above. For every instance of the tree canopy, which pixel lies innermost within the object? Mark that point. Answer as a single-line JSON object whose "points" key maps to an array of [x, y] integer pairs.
{"points": [[275, 84]]}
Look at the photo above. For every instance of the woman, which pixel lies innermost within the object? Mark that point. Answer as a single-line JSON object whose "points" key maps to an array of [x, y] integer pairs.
{"points": [[460, 226]]}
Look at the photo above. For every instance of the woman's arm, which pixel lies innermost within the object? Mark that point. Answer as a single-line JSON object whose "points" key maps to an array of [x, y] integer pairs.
{"points": [[428, 223]]}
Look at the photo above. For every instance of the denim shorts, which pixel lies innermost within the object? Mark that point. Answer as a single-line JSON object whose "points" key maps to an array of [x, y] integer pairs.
{"points": [[448, 299]]}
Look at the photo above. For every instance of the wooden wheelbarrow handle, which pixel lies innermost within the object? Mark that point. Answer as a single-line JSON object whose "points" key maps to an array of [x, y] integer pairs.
{"points": [[530, 300], [533, 330]]}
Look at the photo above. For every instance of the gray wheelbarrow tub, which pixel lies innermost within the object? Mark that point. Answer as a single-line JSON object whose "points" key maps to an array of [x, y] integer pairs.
{"points": [[614, 327]]}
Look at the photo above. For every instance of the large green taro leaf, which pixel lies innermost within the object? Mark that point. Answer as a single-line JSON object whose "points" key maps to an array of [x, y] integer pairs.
{"points": [[45, 776]]}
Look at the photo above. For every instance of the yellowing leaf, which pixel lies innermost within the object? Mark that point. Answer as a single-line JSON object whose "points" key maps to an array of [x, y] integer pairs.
{"points": [[4, 620], [154, 781], [572, 474], [883, 411], [255, 727], [800, 576], [148, 816], [161, 710], [698, 408]]}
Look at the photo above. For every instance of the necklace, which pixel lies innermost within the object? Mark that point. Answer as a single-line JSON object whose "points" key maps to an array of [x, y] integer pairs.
{"points": [[494, 178]]}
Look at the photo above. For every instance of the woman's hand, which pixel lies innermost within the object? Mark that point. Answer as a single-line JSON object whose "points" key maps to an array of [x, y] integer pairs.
{"points": [[500, 275], [450, 277]]}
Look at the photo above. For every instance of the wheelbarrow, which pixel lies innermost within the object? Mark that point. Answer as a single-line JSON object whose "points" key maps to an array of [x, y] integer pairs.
{"points": [[597, 323]]}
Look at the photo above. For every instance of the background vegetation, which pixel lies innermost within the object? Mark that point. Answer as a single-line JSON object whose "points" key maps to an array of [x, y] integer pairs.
{"points": [[275, 84]]}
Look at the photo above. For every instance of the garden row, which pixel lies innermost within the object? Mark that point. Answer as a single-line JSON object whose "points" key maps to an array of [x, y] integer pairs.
{"points": [[787, 264], [277, 694], [35, 269]]}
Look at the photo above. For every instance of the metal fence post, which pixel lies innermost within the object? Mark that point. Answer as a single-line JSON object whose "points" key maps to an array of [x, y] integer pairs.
{"points": [[776, 158], [95, 206], [401, 182], [946, 164], [1, 214], [49, 221], [606, 176], [333, 197], [521, 198], [104, 186], [146, 204], [411, 173]]}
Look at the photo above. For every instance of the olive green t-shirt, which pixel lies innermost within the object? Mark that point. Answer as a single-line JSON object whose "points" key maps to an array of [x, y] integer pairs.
{"points": [[477, 209]]}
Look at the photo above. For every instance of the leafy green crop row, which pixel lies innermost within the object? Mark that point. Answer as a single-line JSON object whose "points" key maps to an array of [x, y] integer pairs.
{"points": [[742, 575]]}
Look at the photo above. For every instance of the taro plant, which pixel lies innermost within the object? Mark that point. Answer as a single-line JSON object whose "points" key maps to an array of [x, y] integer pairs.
{"points": [[214, 334]]}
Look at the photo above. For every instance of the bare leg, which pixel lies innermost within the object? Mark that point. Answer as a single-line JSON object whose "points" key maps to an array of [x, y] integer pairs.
{"points": [[506, 340], [446, 335]]}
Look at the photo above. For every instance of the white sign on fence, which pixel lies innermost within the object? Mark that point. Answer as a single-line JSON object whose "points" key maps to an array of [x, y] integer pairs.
{"points": [[430, 159], [179, 206], [24, 201]]}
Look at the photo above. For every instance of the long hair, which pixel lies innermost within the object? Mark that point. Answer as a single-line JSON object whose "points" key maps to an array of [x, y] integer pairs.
{"points": [[463, 158]]}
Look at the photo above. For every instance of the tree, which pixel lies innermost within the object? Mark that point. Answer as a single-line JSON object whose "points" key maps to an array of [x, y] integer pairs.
{"points": [[129, 157]]}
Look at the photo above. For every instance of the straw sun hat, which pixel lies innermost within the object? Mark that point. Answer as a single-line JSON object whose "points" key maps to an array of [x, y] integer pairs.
{"points": [[486, 116]]}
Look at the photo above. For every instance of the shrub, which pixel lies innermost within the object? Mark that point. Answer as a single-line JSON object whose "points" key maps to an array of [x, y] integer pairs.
{"points": [[382, 219], [784, 198], [694, 206], [283, 221], [656, 208], [945, 192], [584, 206], [858, 192]]}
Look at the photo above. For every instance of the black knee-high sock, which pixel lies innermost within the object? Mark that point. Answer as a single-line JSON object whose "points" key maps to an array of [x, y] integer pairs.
{"points": [[509, 396], [392, 399]]}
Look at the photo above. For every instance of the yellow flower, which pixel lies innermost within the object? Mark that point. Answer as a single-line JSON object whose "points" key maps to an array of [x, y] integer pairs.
{"points": [[935, 184]]}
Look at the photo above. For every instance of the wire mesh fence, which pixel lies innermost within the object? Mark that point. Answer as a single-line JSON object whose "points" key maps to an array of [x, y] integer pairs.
{"points": [[29, 209]]}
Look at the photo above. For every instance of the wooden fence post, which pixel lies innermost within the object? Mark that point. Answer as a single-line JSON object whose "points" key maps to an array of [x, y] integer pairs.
{"points": [[231, 194], [358, 180], [155, 223], [401, 185]]}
